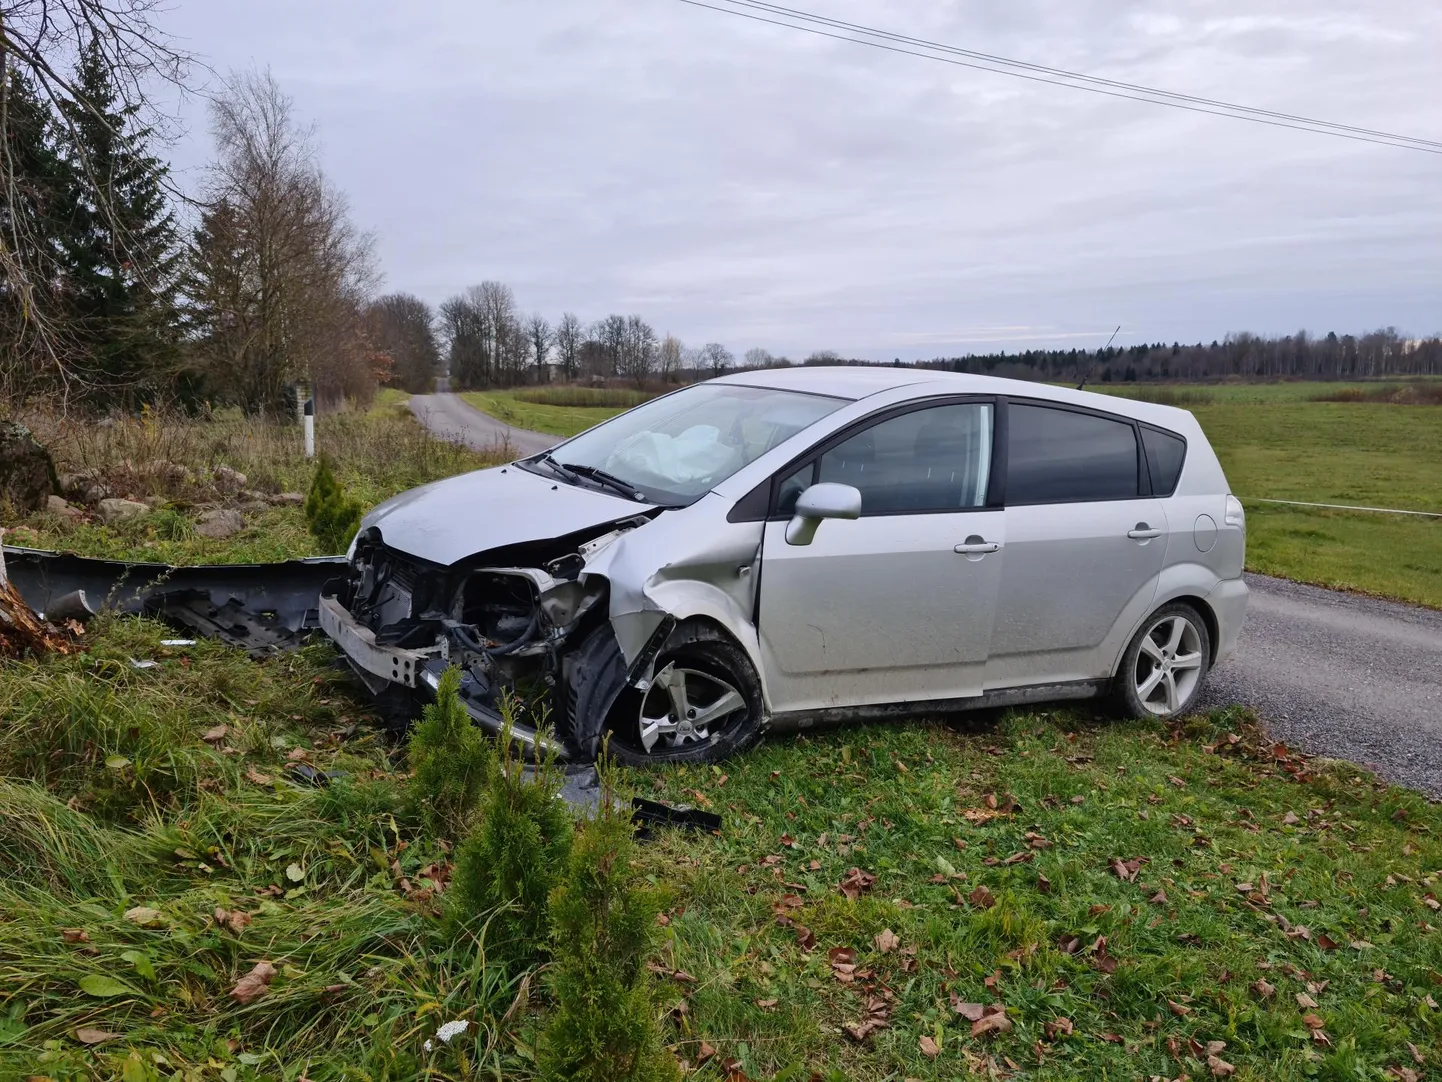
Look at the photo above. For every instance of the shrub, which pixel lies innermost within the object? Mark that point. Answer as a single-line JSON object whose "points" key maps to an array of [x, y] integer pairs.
{"points": [[451, 760], [602, 923], [333, 517], [508, 863]]}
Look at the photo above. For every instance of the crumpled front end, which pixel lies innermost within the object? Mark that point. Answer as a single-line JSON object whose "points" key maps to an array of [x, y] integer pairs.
{"points": [[515, 621]]}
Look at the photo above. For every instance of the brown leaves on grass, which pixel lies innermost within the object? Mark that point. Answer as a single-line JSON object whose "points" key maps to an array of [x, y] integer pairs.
{"points": [[1219, 1067], [75, 935], [254, 984], [234, 919], [1126, 870], [856, 883], [972, 1012], [1059, 1027], [91, 1035], [256, 777], [886, 941], [929, 1048], [981, 898], [216, 735], [1263, 989], [993, 1020], [877, 1016]]}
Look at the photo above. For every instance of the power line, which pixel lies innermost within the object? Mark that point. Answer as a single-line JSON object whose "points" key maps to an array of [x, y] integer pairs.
{"points": [[887, 41]]}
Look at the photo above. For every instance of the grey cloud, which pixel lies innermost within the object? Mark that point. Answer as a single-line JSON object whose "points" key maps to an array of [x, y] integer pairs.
{"points": [[760, 186]]}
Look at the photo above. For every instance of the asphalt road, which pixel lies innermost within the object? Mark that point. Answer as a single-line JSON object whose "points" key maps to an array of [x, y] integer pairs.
{"points": [[1340, 675], [450, 417], [1331, 673]]}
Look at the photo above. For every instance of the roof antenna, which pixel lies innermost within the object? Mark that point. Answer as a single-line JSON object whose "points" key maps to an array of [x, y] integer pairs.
{"points": [[1088, 376]]}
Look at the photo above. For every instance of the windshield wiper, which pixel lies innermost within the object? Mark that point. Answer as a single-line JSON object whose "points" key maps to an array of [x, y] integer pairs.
{"points": [[610, 480], [567, 474]]}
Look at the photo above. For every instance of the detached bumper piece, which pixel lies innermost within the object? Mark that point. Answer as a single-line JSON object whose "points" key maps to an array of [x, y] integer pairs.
{"points": [[262, 608]]}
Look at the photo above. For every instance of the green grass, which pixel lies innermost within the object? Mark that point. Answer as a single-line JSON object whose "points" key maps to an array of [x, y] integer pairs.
{"points": [[113, 800], [556, 420]]}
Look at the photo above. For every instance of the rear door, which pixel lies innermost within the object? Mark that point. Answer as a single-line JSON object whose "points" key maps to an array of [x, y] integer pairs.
{"points": [[896, 605], [1085, 545]]}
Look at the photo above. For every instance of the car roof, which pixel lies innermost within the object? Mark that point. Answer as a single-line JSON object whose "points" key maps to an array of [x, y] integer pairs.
{"points": [[861, 381]]}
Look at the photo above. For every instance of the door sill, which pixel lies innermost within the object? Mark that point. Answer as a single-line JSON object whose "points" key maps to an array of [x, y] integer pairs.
{"points": [[834, 716]]}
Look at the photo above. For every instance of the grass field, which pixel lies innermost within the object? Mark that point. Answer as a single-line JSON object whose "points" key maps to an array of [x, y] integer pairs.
{"points": [[154, 850], [1276, 441]]}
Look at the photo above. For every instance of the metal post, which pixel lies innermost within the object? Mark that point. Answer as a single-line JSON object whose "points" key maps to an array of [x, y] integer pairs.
{"points": [[310, 428]]}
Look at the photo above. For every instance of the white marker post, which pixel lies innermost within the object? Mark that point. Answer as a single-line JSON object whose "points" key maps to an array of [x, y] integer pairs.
{"points": [[309, 421]]}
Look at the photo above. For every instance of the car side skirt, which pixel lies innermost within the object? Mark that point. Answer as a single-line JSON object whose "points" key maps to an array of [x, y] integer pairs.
{"points": [[832, 717]]}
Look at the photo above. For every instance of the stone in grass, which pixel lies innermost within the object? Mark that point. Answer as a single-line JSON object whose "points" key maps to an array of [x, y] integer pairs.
{"points": [[115, 510], [288, 499], [27, 474], [58, 505], [218, 525], [227, 480]]}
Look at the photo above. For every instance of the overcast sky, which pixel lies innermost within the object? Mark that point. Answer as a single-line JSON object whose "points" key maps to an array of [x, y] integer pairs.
{"points": [[764, 187]]}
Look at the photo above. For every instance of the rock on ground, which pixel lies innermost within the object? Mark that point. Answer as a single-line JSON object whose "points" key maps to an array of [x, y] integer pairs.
{"points": [[288, 499], [227, 480], [58, 505], [116, 510], [27, 474], [218, 525]]}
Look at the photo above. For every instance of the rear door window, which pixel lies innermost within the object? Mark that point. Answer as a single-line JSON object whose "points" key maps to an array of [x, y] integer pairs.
{"points": [[1165, 454], [932, 459], [1062, 456]]}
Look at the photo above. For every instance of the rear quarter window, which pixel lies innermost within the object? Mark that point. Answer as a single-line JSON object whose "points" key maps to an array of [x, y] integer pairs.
{"points": [[1165, 455]]}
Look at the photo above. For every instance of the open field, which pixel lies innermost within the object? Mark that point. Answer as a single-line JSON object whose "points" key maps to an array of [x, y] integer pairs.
{"points": [[1276, 441], [1279, 906], [376, 454]]}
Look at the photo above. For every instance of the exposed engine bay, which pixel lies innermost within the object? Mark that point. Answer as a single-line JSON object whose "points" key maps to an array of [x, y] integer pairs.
{"points": [[521, 623]]}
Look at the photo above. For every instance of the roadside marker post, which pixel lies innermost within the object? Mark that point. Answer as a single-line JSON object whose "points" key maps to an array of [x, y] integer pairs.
{"points": [[310, 428]]}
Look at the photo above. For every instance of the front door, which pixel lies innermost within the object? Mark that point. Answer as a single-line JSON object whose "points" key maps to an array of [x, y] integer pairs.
{"points": [[895, 606]]}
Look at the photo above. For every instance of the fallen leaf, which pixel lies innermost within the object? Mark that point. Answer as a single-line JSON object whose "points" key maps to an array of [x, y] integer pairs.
{"points": [[929, 1047], [996, 1022], [856, 883], [91, 1035], [1058, 1027], [103, 987], [234, 919], [216, 734], [146, 917], [1304, 1001], [766, 1004], [704, 1053], [1159, 898], [1043, 884], [1178, 1009], [981, 898], [1416, 1055], [1290, 819], [75, 935], [970, 1011], [805, 937], [1326, 942], [1403, 1074], [255, 776], [886, 941], [1263, 989], [295, 873], [1220, 1067], [254, 984], [1313, 1021]]}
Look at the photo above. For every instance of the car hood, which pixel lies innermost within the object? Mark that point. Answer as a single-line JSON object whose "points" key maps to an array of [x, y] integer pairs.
{"points": [[449, 520]]}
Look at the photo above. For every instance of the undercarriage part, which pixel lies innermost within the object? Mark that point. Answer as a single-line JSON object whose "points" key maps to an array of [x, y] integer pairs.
{"points": [[261, 608]]}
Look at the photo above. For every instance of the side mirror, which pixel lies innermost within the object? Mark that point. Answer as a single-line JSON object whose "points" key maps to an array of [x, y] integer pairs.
{"points": [[826, 500]]}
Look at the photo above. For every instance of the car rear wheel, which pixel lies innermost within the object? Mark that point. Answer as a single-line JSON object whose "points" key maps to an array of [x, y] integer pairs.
{"points": [[702, 705], [1165, 665]]}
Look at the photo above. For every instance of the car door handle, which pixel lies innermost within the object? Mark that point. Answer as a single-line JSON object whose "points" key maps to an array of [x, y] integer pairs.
{"points": [[1143, 532], [977, 547]]}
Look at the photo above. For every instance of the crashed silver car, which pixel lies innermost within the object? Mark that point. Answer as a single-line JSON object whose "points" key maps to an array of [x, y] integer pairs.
{"points": [[784, 549]]}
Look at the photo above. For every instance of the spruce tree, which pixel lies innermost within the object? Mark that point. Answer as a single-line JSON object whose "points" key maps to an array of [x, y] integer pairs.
{"points": [[123, 252], [34, 214]]}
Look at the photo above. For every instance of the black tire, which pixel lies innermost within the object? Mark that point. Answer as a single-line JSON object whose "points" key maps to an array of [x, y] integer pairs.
{"points": [[1141, 663], [706, 652]]}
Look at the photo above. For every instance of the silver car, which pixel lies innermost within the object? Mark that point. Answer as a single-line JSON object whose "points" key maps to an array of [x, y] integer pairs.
{"points": [[777, 550]]}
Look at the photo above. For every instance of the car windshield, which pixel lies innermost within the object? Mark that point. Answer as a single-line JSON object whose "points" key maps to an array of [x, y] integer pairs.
{"points": [[674, 449]]}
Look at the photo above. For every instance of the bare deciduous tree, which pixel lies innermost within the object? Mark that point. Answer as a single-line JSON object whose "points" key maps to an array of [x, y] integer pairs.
{"points": [[538, 330], [403, 327], [716, 357], [568, 338], [638, 350], [668, 358], [279, 275], [758, 358]]}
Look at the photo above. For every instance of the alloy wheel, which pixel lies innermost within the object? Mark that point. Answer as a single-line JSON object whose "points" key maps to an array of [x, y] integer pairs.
{"points": [[684, 706], [1169, 665]]}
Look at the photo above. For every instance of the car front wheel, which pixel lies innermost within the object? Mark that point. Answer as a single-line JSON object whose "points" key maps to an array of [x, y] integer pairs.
{"points": [[1165, 665], [703, 704]]}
